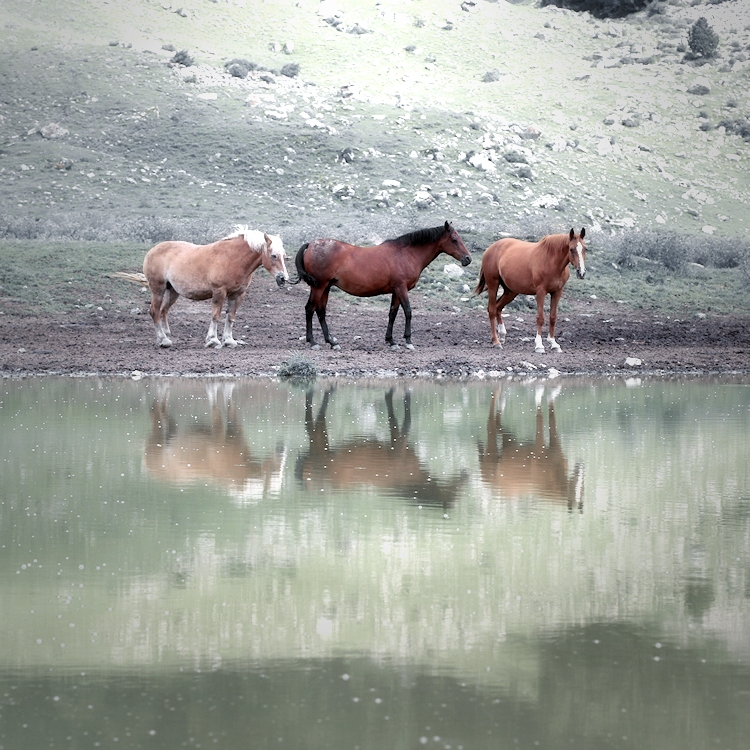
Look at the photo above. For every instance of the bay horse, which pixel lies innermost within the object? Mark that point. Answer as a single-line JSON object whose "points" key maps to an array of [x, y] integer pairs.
{"points": [[391, 465], [220, 271], [520, 469], [393, 267], [538, 268]]}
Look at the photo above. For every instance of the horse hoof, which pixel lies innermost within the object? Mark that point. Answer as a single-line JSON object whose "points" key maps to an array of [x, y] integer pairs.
{"points": [[394, 347], [539, 350], [336, 347], [409, 346], [555, 347], [165, 344], [213, 343], [315, 346]]}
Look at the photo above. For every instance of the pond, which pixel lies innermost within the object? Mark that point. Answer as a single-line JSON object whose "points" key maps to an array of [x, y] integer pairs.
{"points": [[243, 563]]}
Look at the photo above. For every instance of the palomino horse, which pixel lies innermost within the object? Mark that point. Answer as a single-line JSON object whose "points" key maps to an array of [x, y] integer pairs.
{"points": [[518, 469], [189, 452], [219, 271], [391, 466], [538, 268], [391, 268]]}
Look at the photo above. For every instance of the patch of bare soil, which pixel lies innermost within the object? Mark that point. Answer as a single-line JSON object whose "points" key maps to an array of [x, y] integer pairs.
{"points": [[596, 338]]}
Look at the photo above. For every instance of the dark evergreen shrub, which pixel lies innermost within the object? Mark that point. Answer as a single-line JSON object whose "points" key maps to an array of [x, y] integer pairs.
{"points": [[601, 8], [702, 39], [182, 57], [239, 67]]}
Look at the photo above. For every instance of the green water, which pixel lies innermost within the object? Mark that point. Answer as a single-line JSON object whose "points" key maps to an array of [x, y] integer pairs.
{"points": [[245, 564]]}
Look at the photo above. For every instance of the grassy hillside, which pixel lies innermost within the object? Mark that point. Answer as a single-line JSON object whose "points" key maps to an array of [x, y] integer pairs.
{"points": [[502, 118]]}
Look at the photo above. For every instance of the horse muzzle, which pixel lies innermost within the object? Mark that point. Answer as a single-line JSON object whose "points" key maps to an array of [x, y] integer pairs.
{"points": [[466, 260], [280, 279], [581, 274]]}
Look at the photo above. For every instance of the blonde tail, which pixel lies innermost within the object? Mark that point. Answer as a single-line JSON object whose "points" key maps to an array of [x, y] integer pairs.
{"points": [[133, 278]]}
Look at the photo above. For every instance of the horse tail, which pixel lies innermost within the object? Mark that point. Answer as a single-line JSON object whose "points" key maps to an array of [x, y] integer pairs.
{"points": [[133, 278], [481, 285], [299, 262]]}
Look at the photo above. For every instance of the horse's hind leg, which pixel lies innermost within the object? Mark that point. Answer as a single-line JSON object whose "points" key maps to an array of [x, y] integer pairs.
{"points": [[317, 303], [162, 298], [217, 303], [505, 299]]}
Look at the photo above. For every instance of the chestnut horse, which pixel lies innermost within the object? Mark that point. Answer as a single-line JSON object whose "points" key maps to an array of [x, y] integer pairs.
{"points": [[392, 267], [517, 469], [219, 271], [538, 268]]}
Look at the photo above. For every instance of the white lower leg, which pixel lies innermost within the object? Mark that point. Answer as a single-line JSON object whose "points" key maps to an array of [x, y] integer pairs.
{"points": [[211, 338], [538, 345], [553, 344]]}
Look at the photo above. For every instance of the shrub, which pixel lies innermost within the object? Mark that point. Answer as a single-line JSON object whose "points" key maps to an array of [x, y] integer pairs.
{"points": [[702, 39], [298, 368], [239, 67], [290, 70], [675, 251], [601, 8], [182, 57]]}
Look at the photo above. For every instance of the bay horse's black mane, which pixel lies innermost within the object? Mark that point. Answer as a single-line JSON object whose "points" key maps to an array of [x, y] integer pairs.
{"points": [[420, 236]]}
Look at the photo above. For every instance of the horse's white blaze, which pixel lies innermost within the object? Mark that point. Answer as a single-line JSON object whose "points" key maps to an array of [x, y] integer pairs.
{"points": [[581, 261]]}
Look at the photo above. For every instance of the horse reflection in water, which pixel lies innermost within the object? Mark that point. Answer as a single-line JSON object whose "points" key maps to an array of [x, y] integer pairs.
{"points": [[389, 465], [519, 469], [185, 452]]}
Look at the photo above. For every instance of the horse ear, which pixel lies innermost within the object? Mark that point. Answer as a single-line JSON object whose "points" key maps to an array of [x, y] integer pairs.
{"points": [[447, 226], [269, 241], [572, 233], [583, 232]]}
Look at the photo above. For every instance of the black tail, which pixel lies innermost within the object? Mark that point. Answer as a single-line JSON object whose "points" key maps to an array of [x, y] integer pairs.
{"points": [[302, 275]]}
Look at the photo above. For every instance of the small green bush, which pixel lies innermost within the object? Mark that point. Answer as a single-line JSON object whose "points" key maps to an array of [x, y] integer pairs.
{"points": [[675, 251], [183, 57], [702, 39], [298, 368], [601, 8]]}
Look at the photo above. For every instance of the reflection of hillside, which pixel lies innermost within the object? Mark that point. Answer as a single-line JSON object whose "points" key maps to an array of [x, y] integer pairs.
{"points": [[528, 469], [391, 466], [187, 452]]}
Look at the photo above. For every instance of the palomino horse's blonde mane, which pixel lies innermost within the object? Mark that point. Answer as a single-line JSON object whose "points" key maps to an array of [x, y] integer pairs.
{"points": [[255, 238]]}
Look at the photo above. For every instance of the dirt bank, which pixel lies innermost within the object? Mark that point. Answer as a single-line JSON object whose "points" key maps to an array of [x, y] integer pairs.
{"points": [[596, 338]]}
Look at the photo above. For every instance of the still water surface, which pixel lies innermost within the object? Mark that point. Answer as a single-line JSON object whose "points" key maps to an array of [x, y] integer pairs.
{"points": [[246, 564]]}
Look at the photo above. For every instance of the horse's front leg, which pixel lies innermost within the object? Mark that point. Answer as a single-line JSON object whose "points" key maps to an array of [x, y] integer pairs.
{"points": [[232, 304], [217, 303], [554, 299], [395, 304], [406, 305], [538, 345]]}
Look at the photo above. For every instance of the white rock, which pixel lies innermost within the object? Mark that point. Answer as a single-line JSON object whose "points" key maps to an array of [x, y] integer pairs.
{"points": [[632, 362], [453, 270]]}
